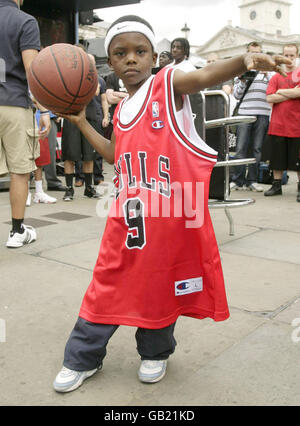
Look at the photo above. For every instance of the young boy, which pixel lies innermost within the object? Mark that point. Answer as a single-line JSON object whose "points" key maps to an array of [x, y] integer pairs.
{"points": [[159, 257]]}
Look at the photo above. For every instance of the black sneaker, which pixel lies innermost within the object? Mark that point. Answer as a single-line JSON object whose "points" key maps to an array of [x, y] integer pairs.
{"points": [[275, 189], [69, 194], [90, 192]]}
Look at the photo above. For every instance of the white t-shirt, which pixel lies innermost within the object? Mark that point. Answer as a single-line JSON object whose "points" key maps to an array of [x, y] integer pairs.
{"points": [[184, 65]]}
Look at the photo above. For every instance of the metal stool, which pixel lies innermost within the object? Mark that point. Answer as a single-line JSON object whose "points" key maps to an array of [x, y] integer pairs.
{"points": [[227, 121]]}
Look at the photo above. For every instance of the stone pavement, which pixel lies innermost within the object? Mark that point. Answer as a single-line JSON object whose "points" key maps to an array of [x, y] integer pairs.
{"points": [[250, 359]]}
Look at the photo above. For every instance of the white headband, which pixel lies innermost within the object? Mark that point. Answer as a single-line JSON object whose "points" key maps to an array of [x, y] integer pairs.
{"points": [[129, 27]]}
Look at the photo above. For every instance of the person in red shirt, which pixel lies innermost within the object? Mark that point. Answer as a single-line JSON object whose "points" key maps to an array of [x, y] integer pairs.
{"points": [[284, 130]]}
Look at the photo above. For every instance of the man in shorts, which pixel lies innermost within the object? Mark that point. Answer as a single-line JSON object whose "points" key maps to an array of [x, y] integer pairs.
{"points": [[284, 129], [20, 43]]}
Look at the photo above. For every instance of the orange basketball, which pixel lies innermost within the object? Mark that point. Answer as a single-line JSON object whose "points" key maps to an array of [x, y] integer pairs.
{"points": [[63, 78]]}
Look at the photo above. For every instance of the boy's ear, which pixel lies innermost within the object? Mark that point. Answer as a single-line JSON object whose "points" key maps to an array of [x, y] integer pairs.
{"points": [[109, 63], [155, 56]]}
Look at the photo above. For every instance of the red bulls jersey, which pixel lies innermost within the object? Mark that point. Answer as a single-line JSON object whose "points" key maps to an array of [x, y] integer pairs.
{"points": [[158, 257]]}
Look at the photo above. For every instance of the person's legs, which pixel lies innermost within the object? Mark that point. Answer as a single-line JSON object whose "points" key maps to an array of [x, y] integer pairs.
{"points": [[79, 176], [69, 168], [69, 176], [294, 160], [298, 187], [50, 170], [18, 194], [84, 354], [71, 152], [18, 150], [277, 174], [259, 130], [40, 196], [154, 347], [242, 144], [86, 346], [98, 169], [20, 234], [278, 163], [155, 344], [88, 167]]}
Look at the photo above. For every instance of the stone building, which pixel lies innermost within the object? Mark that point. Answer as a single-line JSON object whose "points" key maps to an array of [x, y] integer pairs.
{"points": [[264, 21]]}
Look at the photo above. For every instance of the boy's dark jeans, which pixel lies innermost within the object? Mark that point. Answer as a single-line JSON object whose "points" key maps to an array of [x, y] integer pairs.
{"points": [[86, 347]]}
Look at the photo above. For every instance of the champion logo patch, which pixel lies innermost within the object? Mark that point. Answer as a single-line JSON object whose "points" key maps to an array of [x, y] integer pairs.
{"points": [[158, 124], [192, 285]]}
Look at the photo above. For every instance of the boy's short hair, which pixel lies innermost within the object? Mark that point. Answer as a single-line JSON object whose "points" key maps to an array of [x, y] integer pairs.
{"points": [[253, 44], [184, 43], [132, 18], [166, 53], [291, 45]]}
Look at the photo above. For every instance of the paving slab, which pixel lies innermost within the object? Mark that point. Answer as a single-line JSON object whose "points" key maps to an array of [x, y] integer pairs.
{"points": [[261, 369], [258, 284], [83, 254], [260, 244], [250, 359]]}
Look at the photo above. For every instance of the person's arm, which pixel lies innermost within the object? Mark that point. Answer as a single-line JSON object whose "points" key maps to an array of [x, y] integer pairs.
{"points": [[227, 89], [275, 98], [105, 147], [292, 93], [98, 90], [45, 122], [105, 109], [114, 97], [217, 72]]}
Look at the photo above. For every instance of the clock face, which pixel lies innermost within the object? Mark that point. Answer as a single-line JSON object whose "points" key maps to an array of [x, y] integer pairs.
{"points": [[278, 14], [252, 15]]}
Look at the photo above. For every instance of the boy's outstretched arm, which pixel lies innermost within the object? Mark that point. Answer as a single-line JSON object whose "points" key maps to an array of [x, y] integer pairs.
{"points": [[105, 147], [223, 70]]}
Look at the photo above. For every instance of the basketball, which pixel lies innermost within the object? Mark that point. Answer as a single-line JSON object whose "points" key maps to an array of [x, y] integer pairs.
{"points": [[63, 78]]}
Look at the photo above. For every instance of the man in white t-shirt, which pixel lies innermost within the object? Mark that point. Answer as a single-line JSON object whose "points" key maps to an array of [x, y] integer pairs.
{"points": [[180, 50]]}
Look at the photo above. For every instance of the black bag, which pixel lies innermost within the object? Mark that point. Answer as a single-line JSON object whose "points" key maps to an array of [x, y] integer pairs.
{"points": [[265, 174]]}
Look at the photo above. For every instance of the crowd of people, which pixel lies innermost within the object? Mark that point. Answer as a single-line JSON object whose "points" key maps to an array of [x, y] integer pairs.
{"points": [[274, 136], [273, 100]]}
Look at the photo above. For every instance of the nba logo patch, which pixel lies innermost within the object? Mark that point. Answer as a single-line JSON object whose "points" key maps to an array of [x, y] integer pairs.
{"points": [[155, 109]]}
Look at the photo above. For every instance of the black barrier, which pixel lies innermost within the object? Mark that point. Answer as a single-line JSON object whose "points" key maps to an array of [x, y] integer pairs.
{"points": [[215, 138], [56, 18], [73, 5]]}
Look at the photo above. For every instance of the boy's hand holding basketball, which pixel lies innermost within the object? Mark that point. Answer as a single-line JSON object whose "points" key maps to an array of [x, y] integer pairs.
{"points": [[79, 119], [263, 62]]}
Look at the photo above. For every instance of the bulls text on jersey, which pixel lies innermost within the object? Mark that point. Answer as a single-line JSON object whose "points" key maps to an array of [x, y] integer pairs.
{"points": [[162, 186]]}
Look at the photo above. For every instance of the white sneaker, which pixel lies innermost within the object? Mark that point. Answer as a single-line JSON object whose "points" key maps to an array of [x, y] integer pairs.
{"points": [[234, 187], [152, 371], [16, 240], [68, 380], [42, 197], [28, 201], [255, 187]]}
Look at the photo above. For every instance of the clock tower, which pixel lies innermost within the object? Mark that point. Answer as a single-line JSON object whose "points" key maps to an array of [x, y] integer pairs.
{"points": [[266, 16]]}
